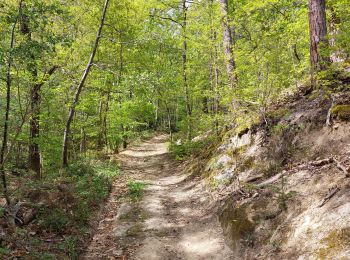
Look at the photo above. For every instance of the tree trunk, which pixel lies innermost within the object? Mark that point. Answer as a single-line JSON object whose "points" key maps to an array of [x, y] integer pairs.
{"points": [[214, 77], [156, 116], [105, 130], [34, 161], [125, 137], [169, 121], [227, 32], [79, 89], [34, 152], [83, 140], [184, 73], [7, 110], [100, 141], [318, 36], [35, 100]]}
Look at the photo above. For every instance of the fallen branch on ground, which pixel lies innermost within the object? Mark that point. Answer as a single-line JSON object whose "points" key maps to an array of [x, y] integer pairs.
{"points": [[331, 193], [322, 162], [254, 178], [269, 181], [342, 168]]}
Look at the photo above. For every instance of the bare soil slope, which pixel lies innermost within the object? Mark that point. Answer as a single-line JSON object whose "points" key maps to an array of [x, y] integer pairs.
{"points": [[283, 186]]}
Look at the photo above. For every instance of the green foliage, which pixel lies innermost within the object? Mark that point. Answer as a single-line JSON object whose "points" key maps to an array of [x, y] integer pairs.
{"points": [[342, 112], [85, 189], [282, 195], [181, 151], [136, 189], [279, 128], [137, 86], [68, 203], [93, 180], [42, 255], [4, 251], [54, 219], [178, 150], [70, 246], [278, 113]]}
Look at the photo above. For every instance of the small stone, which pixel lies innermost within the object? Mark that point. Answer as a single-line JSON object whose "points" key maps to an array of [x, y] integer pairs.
{"points": [[118, 252]]}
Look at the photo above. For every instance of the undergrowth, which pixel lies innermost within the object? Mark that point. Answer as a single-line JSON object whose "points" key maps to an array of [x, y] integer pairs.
{"points": [[135, 189], [183, 150], [65, 205]]}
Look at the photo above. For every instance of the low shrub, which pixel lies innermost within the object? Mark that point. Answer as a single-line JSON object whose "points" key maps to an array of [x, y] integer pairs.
{"points": [[54, 220], [181, 151], [136, 189]]}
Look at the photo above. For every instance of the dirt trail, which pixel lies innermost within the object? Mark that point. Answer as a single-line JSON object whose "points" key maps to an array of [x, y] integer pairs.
{"points": [[169, 222]]}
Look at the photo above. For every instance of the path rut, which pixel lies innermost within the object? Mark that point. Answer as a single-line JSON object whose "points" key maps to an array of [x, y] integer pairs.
{"points": [[169, 222]]}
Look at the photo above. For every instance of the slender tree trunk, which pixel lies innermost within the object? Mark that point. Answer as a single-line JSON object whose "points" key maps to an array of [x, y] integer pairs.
{"points": [[176, 113], [116, 147], [169, 121], [205, 102], [318, 36], [228, 43], [83, 140], [7, 110], [80, 88], [125, 137], [35, 100], [184, 73], [103, 111], [34, 151], [215, 73], [34, 160], [100, 141], [216, 92], [105, 130]]}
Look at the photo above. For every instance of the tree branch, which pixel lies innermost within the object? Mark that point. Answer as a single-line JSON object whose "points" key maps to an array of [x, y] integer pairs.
{"points": [[166, 18]]}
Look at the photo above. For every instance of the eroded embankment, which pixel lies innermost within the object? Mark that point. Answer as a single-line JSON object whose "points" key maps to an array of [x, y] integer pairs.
{"points": [[282, 188]]}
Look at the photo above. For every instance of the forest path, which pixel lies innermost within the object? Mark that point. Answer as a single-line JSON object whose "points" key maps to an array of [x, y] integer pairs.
{"points": [[169, 222]]}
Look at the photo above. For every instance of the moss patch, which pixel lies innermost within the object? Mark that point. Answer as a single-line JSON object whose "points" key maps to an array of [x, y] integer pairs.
{"points": [[278, 113], [335, 242], [342, 112]]}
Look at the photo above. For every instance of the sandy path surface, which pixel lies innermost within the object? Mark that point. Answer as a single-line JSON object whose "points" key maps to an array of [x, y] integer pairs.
{"points": [[169, 222]]}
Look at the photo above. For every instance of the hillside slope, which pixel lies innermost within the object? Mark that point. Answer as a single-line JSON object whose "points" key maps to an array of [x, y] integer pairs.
{"points": [[281, 187]]}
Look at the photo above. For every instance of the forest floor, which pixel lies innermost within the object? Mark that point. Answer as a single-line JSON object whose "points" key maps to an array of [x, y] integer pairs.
{"points": [[170, 221]]}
